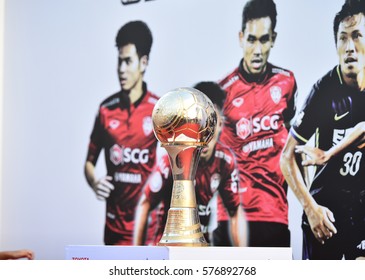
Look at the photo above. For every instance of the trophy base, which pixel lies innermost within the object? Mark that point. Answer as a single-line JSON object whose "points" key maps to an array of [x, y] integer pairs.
{"points": [[183, 229]]}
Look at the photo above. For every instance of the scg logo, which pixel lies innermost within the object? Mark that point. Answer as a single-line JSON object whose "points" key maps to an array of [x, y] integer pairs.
{"points": [[122, 155], [245, 127], [204, 210]]}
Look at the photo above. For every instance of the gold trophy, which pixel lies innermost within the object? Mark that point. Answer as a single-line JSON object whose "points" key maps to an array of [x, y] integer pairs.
{"points": [[184, 121]]}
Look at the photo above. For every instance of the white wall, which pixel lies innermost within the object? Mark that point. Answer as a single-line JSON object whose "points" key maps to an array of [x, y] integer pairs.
{"points": [[60, 62]]}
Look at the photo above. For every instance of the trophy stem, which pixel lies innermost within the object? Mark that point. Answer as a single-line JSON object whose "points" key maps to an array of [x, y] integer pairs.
{"points": [[183, 225]]}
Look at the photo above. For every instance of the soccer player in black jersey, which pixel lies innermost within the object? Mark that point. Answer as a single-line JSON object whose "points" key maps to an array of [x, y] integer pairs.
{"points": [[334, 204]]}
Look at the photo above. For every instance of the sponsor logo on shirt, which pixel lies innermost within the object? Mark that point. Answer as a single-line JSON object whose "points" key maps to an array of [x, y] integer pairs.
{"points": [[214, 182], [339, 117], [281, 71], [204, 229], [230, 81], [127, 177], [223, 155], [237, 102], [204, 210], [111, 102], [147, 125], [275, 93], [121, 155], [246, 127], [258, 145], [361, 246], [339, 134]]}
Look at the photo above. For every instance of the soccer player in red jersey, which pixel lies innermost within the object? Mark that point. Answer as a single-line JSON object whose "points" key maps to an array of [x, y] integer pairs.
{"points": [[258, 108], [123, 128], [216, 174]]}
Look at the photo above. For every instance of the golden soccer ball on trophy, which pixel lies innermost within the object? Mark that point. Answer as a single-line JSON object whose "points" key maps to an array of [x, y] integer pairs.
{"points": [[184, 121], [184, 115]]}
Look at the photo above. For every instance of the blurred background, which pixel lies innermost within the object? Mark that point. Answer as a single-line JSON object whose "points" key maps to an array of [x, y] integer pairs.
{"points": [[58, 61]]}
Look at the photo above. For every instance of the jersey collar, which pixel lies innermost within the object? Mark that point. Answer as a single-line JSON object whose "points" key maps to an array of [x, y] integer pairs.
{"points": [[249, 78]]}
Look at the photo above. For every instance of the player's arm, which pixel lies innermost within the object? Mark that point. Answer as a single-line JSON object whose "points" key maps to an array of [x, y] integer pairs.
{"points": [[18, 254], [320, 218], [238, 228], [101, 186], [316, 156], [289, 112], [141, 217]]}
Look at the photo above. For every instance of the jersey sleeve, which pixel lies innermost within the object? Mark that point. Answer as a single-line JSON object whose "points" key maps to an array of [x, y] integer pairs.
{"points": [[96, 140], [228, 189], [289, 112], [159, 183], [308, 118]]}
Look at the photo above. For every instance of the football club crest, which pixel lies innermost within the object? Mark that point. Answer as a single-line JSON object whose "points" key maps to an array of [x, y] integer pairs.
{"points": [[237, 102], [116, 154], [275, 92], [147, 125], [243, 128]]}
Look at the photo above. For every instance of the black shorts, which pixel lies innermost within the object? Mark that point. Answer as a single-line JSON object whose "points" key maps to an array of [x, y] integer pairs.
{"points": [[349, 242], [115, 238], [267, 234], [345, 244], [221, 235]]}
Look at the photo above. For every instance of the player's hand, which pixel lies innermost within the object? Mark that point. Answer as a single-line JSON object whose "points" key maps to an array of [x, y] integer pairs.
{"points": [[18, 254], [28, 254], [103, 187], [321, 221], [315, 156]]}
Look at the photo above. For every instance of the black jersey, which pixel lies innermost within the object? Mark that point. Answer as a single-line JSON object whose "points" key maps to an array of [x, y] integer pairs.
{"points": [[330, 112]]}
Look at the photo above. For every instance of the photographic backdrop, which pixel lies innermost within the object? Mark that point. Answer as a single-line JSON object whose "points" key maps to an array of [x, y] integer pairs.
{"points": [[60, 62]]}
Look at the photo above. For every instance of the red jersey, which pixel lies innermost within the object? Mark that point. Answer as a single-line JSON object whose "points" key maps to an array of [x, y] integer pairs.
{"points": [[255, 112], [125, 133], [219, 174]]}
